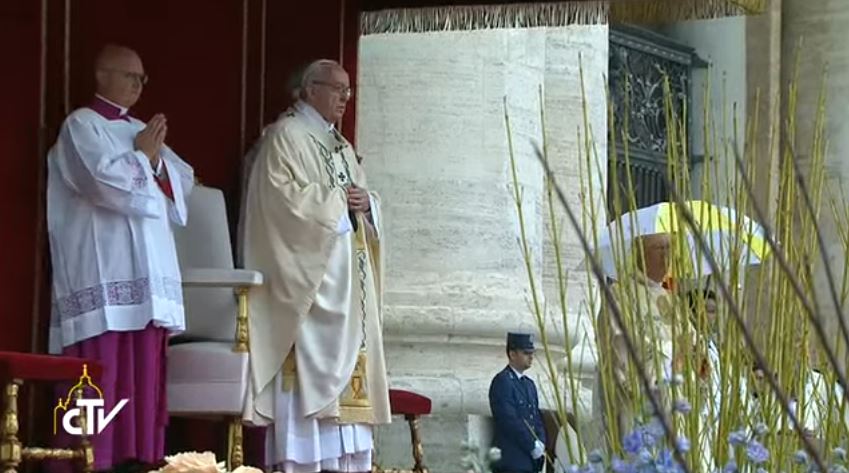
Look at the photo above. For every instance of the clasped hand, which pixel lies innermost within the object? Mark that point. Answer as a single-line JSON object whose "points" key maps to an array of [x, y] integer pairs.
{"points": [[358, 199], [149, 141]]}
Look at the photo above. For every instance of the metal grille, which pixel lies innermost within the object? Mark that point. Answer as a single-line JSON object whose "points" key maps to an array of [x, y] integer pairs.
{"points": [[639, 61]]}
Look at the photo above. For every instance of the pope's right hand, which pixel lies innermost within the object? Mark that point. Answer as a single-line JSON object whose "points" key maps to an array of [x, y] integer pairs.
{"points": [[150, 139]]}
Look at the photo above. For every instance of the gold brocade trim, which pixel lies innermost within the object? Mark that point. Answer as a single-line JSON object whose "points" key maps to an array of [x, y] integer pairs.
{"points": [[356, 415], [360, 234], [354, 405], [551, 14], [290, 372]]}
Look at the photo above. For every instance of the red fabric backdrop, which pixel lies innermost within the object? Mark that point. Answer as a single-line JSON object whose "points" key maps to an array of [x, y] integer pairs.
{"points": [[20, 35]]}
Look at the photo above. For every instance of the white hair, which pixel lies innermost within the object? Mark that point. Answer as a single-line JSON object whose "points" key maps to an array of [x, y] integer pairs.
{"points": [[311, 73]]}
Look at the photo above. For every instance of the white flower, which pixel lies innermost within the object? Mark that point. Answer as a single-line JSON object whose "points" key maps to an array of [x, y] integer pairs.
{"points": [[247, 469], [193, 462]]}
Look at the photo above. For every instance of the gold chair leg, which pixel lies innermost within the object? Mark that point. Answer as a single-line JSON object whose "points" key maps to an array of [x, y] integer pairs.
{"points": [[85, 451], [416, 440], [10, 446], [235, 451]]}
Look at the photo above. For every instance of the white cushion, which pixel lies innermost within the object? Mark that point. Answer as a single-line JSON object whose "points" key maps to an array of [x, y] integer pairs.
{"points": [[210, 314], [206, 378], [210, 302]]}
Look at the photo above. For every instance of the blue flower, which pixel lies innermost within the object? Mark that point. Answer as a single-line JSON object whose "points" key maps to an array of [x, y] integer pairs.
{"points": [[572, 469], [654, 431], [737, 438], [634, 441], [595, 456], [800, 457], [683, 444], [666, 462], [620, 466], [730, 467], [839, 454], [756, 452], [644, 457], [682, 406]]}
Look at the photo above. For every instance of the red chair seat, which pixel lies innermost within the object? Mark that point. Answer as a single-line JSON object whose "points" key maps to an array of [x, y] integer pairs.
{"points": [[408, 403], [32, 367]]}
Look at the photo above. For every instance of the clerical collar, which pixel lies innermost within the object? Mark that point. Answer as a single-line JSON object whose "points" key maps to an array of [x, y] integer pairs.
{"points": [[312, 114], [110, 110]]}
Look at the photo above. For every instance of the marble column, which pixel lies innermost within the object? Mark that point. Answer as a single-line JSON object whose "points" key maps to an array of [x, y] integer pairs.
{"points": [[819, 28]]}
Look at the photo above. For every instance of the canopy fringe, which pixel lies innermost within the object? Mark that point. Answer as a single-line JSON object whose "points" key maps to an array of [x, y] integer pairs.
{"points": [[550, 14]]}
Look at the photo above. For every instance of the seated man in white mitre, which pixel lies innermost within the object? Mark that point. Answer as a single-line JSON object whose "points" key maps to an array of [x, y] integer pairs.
{"points": [[318, 372], [646, 310]]}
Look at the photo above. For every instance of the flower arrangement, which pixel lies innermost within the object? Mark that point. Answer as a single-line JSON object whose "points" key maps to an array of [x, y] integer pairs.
{"points": [[194, 462], [770, 399]]}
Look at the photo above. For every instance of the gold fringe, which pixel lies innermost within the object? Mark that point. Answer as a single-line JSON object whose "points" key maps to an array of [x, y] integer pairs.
{"points": [[552, 14], [664, 11], [477, 17]]}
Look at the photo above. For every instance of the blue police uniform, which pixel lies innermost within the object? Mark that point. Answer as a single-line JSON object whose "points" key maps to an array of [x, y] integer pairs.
{"points": [[514, 403]]}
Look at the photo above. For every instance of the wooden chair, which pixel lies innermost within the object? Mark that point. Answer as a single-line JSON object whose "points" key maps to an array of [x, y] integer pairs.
{"points": [[412, 406]]}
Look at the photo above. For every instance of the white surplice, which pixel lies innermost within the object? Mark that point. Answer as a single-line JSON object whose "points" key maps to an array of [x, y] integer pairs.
{"points": [[114, 261]]}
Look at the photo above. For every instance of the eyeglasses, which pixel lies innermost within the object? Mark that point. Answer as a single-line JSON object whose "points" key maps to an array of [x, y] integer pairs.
{"points": [[134, 76], [340, 89]]}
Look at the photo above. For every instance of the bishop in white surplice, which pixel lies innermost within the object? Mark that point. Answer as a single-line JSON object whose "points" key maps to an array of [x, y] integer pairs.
{"points": [[114, 260], [114, 190]]}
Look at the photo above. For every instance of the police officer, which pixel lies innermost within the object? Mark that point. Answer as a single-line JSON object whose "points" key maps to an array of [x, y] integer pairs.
{"points": [[514, 403]]}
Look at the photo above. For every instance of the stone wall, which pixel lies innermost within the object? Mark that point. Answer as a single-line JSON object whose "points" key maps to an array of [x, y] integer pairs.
{"points": [[817, 32], [722, 88]]}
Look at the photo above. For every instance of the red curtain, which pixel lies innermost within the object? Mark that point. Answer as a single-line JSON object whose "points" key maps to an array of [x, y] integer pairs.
{"points": [[20, 38]]}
